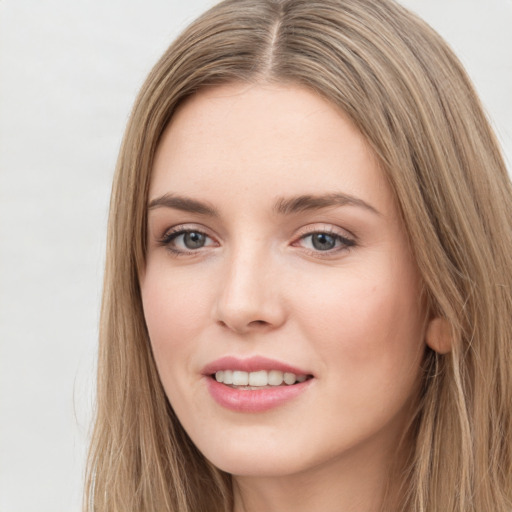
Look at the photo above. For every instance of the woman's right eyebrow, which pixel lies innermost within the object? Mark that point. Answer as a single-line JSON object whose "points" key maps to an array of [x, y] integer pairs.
{"points": [[185, 204]]}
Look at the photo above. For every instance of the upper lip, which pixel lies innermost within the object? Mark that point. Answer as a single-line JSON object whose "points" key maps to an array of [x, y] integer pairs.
{"points": [[250, 364]]}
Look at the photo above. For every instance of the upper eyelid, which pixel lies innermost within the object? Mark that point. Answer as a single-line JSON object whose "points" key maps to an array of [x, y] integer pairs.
{"points": [[331, 229], [184, 228]]}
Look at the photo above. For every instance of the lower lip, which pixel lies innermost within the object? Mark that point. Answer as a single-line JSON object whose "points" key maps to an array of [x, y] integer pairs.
{"points": [[259, 400]]}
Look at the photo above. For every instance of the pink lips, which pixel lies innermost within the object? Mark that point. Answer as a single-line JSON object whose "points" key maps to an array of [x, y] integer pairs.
{"points": [[260, 400], [252, 364]]}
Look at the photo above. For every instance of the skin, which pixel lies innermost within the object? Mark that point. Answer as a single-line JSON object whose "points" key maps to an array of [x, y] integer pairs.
{"points": [[351, 315]]}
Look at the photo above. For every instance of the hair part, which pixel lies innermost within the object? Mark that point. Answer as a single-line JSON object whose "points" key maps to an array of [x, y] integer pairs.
{"points": [[409, 96]]}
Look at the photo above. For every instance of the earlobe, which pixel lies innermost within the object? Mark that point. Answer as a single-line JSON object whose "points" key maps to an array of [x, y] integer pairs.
{"points": [[438, 335]]}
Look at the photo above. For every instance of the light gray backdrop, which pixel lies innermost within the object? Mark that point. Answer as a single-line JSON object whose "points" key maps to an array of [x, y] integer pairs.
{"points": [[69, 72]]}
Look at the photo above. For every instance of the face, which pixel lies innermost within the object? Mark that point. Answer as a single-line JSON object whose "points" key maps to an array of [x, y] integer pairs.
{"points": [[275, 251]]}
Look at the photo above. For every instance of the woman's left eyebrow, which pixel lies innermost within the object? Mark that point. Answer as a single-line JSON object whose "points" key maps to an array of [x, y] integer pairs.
{"points": [[297, 204]]}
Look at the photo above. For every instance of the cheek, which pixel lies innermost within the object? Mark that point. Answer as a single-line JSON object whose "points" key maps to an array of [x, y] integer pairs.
{"points": [[370, 326], [370, 341], [174, 309]]}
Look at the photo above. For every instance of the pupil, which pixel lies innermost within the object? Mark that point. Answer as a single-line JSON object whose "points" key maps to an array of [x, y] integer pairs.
{"points": [[194, 240], [323, 242]]}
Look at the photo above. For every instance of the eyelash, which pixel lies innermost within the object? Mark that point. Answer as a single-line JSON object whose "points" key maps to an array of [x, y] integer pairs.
{"points": [[170, 236], [345, 243]]}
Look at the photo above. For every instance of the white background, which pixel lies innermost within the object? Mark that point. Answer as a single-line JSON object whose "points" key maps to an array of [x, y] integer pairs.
{"points": [[69, 72]]}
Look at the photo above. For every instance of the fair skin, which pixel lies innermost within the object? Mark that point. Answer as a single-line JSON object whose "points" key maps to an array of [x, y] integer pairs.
{"points": [[238, 267]]}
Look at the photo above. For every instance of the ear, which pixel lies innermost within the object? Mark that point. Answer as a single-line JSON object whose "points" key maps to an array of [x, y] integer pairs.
{"points": [[438, 335]]}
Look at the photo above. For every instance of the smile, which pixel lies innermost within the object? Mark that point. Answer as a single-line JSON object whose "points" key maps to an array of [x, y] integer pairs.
{"points": [[258, 380], [256, 384]]}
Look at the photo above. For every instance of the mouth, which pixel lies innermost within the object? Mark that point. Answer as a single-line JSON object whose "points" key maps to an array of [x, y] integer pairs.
{"points": [[255, 384], [257, 380]]}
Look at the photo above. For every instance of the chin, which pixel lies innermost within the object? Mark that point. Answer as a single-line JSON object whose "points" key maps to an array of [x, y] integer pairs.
{"points": [[247, 465], [256, 459]]}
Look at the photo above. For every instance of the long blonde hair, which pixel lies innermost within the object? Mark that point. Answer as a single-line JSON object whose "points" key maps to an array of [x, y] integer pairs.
{"points": [[410, 97]]}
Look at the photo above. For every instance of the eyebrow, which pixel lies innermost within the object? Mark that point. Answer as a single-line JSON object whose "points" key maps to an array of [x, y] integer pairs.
{"points": [[286, 206], [283, 206], [184, 204]]}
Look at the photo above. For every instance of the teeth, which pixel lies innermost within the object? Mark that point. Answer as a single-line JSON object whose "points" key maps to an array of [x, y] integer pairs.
{"points": [[275, 377], [240, 378], [260, 378], [289, 378]]}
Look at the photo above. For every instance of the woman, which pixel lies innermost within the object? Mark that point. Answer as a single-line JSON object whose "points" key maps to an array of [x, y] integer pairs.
{"points": [[308, 288]]}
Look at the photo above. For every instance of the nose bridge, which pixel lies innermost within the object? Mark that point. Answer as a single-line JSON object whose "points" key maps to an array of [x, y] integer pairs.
{"points": [[248, 296]]}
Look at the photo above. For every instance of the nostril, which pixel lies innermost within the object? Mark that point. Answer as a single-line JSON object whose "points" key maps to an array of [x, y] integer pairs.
{"points": [[258, 323], [244, 327]]}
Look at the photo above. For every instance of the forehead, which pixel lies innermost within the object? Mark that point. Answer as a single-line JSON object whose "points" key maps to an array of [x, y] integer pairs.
{"points": [[266, 141]]}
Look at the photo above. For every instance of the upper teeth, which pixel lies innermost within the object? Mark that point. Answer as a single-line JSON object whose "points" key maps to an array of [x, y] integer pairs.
{"points": [[259, 378]]}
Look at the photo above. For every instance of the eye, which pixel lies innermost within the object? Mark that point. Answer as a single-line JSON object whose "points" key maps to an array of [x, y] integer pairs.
{"points": [[325, 241], [186, 241], [192, 239]]}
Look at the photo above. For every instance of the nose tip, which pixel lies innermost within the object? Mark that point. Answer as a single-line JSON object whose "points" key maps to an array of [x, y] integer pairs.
{"points": [[244, 314], [249, 299]]}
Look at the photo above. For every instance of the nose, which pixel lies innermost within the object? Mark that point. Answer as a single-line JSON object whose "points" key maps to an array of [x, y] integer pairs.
{"points": [[249, 297]]}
